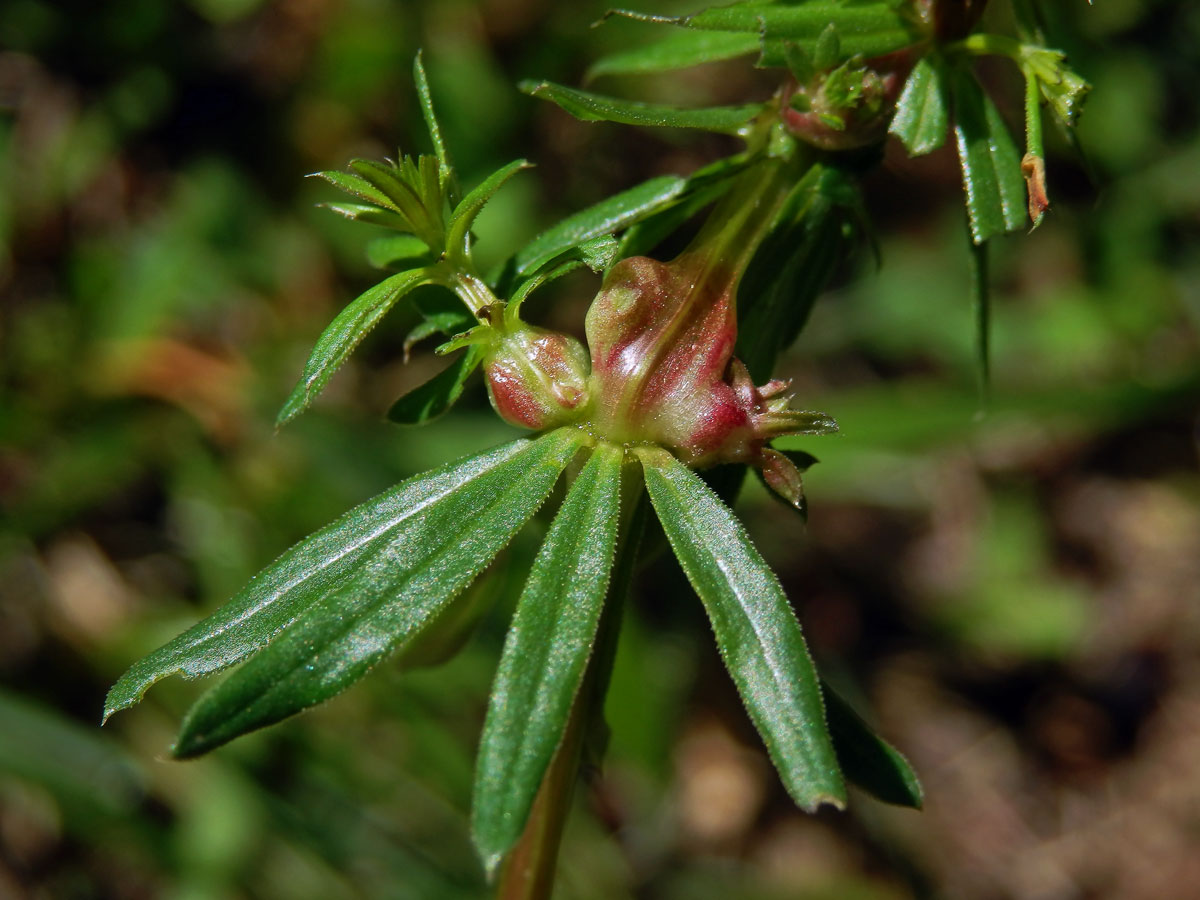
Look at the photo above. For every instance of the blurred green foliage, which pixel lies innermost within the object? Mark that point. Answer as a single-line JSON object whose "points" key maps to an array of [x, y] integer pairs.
{"points": [[1011, 588]]}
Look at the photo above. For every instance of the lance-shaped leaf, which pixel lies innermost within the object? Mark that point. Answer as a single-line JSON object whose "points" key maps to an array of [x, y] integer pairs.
{"points": [[545, 655], [605, 217], [864, 29], [346, 332], [322, 562], [393, 593], [445, 169], [403, 187], [372, 215], [463, 217], [867, 759], [357, 186], [677, 50], [991, 163], [427, 402], [596, 108], [922, 117], [757, 632]]}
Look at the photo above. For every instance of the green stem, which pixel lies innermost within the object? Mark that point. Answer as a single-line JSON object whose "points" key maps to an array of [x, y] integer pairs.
{"points": [[1033, 115], [528, 872], [474, 292], [742, 218]]}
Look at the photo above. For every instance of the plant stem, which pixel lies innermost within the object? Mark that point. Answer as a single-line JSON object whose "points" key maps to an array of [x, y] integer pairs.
{"points": [[528, 872], [472, 290], [738, 223]]}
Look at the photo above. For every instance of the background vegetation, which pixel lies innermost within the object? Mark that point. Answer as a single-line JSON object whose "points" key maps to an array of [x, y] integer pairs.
{"points": [[1013, 594]]}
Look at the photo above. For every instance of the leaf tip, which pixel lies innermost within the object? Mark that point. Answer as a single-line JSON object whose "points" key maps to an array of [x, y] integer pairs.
{"points": [[296, 403], [192, 742], [837, 802], [491, 866], [120, 697]]}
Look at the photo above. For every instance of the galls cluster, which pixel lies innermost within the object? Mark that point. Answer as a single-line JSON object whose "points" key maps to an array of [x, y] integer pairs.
{"points": [[661, 371]]}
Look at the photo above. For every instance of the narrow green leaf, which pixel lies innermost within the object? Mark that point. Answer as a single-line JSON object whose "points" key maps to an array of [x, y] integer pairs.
{"points": [[397, 249], [512, 311], [864, 29], [372, 215], [991, 163], [442, 313], [359, 187], [422, 330], [867, 759], [345, 333], [595, 108], [545, 655], [391, 595], [597, 254], [756, 630], [605, 217], [288, 587], [432, 196], [400, 191], [463, 217], [427, 402], [431, 122], [922, 116], [677, 50]]}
